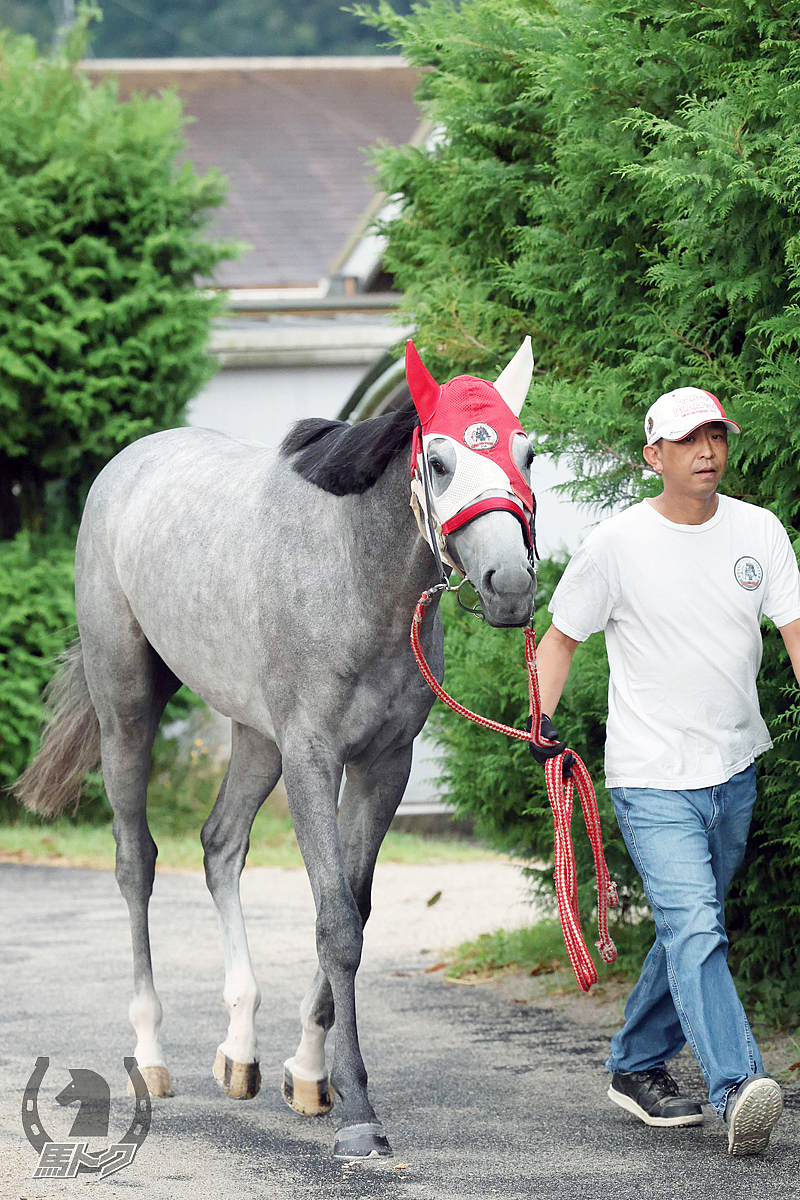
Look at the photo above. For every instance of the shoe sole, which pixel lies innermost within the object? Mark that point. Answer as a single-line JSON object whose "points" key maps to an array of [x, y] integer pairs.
{"points": [[632, 1107], [755, 1112]]}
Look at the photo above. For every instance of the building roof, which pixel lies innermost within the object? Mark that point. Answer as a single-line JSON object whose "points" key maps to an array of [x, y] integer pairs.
{"points": [[290, 134]]}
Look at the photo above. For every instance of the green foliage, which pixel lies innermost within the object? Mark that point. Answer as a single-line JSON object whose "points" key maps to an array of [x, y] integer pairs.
{"points": [[161, 28], [37, 621], [102, 337], [764, 909], [102, 327], [539, 950], [622, 183]]}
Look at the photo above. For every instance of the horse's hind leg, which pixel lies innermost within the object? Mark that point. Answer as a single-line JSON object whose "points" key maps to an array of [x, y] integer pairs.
{"points": [[129, 685], [372, 792], [254, 770], [306, 1087]]}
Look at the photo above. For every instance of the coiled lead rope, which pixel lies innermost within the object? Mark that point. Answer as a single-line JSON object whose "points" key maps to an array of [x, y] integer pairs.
{"points": [[560, 793]]}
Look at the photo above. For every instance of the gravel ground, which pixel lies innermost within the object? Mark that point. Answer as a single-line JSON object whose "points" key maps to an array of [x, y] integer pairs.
{"points": [[482, 1096]]}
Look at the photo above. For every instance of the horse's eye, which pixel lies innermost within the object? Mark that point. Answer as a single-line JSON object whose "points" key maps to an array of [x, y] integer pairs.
{"points": [[438, 468], [529, 457]]}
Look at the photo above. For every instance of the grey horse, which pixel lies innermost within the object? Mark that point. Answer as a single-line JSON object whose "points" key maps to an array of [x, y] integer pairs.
{"points": [[280, 586]]}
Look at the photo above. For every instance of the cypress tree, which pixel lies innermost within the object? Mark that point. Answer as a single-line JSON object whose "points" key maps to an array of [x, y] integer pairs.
{"points": [[103, 329]]}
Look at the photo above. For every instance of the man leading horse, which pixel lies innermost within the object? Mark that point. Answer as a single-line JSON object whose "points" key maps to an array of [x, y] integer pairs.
{"points": [[679, 585]]}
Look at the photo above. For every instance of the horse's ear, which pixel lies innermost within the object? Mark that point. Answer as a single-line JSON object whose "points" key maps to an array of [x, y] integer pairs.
{"points": [[423, 387], [514, 380]]}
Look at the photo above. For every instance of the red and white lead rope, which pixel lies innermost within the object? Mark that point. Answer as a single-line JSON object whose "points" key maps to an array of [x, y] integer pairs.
{"points": [[560, 794]]}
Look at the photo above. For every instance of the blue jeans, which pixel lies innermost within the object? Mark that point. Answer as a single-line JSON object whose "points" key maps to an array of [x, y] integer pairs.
{"points": [[687, 847]]}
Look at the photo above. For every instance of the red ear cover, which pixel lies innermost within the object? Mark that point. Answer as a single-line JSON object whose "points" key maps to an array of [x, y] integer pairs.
{"points": [[423, 387]]}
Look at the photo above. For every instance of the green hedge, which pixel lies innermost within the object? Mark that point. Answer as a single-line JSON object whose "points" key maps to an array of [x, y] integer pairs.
{"points": [[103, 335], [103, 329], [37, 622]]}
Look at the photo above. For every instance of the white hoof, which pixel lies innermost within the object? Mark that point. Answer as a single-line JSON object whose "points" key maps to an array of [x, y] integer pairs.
{"points": [[311, 1097], [241, 1081], [157, 1080]]}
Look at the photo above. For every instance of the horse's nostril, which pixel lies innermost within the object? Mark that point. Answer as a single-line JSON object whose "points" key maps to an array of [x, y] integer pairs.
{"points": [[505, 582]]}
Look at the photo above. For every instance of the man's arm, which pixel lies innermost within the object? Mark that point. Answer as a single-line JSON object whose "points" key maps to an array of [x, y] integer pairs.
{"points": [[554, 659], [791, 636]]}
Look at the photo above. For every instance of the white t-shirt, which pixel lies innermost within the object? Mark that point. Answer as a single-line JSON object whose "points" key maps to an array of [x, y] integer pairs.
{"points": [[681, 607]]}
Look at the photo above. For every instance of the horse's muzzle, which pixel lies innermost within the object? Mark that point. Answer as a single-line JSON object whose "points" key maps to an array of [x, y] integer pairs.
{"points": [[507, 594]]}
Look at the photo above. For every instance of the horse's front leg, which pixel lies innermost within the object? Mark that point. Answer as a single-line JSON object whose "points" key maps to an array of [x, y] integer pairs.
{"points": [[254, 770], [312, 779], [372, 793]]}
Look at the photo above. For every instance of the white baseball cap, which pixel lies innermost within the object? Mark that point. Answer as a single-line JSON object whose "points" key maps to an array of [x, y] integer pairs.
{"points": [[677, 413]]}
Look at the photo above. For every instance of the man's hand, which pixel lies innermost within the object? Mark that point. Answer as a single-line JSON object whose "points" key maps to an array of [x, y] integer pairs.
{"points": [[541, 755]]}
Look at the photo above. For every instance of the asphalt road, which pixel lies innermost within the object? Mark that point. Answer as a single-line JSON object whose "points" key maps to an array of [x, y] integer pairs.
{"points": [[480, 1097]]}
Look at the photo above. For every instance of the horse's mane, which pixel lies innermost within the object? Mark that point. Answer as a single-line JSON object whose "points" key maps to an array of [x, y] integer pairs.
{"points": [[348, 459]]}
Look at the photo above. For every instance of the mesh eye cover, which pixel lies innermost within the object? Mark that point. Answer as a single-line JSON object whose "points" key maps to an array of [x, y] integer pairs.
{"points": [[475, 474], [465, 402]]}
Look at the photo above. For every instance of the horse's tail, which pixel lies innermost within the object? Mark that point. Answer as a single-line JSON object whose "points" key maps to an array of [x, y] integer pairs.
{"points": [[70, 746]]}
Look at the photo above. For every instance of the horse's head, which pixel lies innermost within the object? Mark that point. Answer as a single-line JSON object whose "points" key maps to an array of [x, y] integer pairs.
{"points": [[477, 460]]}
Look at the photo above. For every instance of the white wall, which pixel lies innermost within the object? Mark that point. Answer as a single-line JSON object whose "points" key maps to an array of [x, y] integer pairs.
{"points": [[561, 525], [261, 403]]}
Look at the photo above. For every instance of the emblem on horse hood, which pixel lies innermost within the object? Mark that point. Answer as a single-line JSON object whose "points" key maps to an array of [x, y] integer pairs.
{"points": [[480, 420]]}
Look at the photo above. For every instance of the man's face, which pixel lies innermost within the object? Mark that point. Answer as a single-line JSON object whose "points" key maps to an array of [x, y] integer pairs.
{"points": [[693, 466]]}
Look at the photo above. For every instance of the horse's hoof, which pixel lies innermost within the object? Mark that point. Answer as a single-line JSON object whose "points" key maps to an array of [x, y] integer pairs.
{"points": [[241, 1081], [311, 1097], [361, 1141], [157, 1080]]}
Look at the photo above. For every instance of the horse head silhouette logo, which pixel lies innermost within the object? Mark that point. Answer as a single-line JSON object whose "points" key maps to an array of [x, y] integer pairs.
{"points": [[93, 1094], [63, 1160]]}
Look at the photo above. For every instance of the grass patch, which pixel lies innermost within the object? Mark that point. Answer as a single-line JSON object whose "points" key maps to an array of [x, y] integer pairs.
{"points": [[272, 844], [539, 950], [184, 781]]}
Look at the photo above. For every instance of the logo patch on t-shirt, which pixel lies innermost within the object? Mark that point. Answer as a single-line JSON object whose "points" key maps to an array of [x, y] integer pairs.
{"points": [[480, 436], [748, 573]]}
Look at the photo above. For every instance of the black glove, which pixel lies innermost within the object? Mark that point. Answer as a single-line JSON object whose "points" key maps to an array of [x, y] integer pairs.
{"points": [[542, 754]]}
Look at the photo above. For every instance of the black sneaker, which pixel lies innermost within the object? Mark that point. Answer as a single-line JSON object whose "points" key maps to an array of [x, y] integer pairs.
{"points": [[752, 1109], [653, 1097]]}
